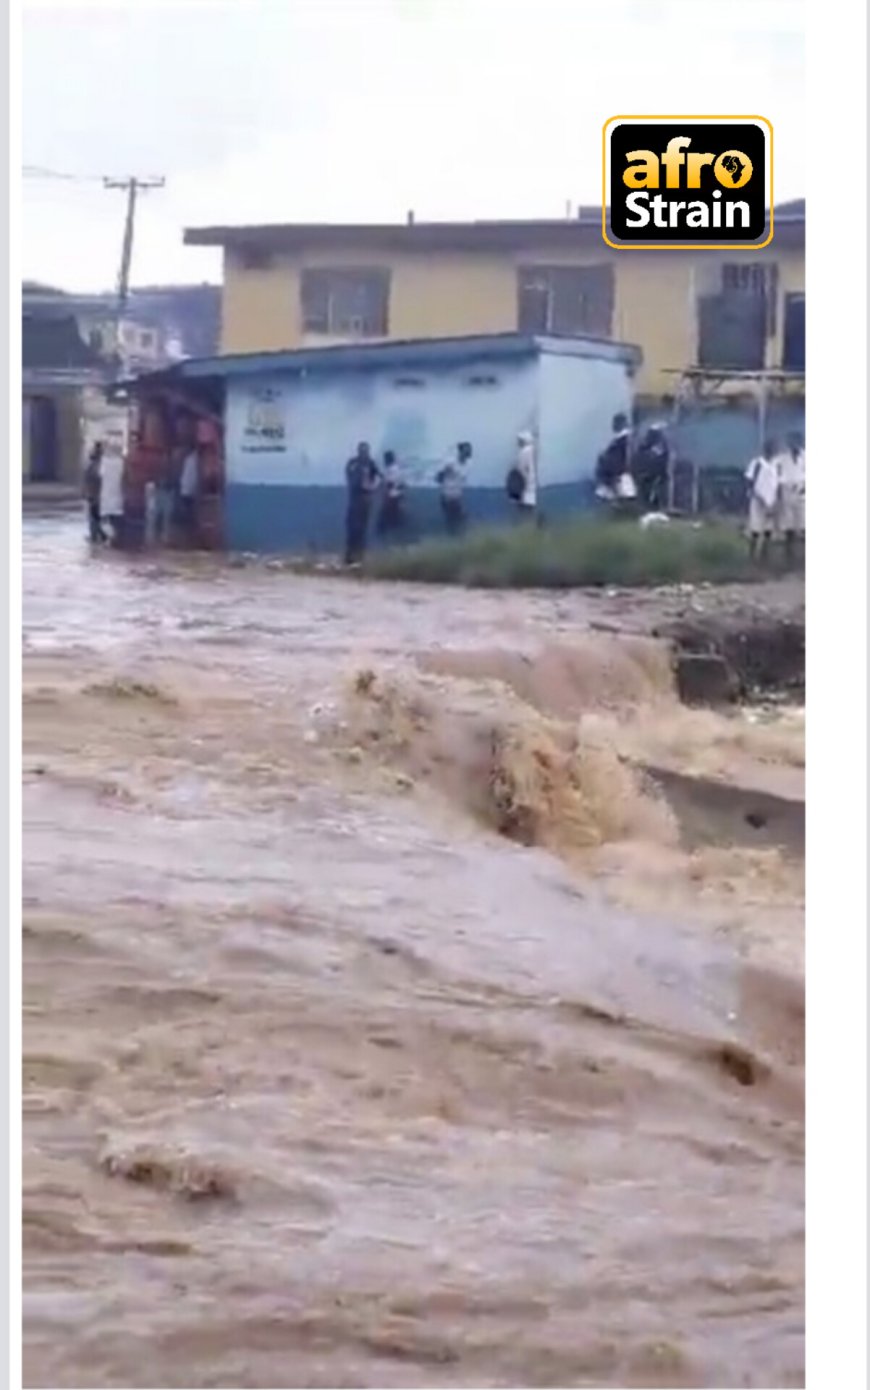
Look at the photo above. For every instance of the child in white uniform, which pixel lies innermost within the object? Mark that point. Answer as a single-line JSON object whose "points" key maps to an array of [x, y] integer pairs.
{"points": [[762, 476]]}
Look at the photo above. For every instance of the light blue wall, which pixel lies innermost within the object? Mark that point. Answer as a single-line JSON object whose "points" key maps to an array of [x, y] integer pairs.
{"points": [[293, 497], [579, 397], [326, 415]]}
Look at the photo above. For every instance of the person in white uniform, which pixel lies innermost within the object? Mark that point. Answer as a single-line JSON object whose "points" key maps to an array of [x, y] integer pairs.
{"points": [[527, 465], [112, 490], [762, 475]]}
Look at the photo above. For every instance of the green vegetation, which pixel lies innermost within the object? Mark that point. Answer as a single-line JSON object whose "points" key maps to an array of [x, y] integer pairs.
{"points": [[588, 551]]}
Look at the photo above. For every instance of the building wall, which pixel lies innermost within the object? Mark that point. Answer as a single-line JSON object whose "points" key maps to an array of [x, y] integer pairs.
{"points": [[65, 463], [286, 488], [290, 494], [103, 422], [447, 294], [578, 399]]}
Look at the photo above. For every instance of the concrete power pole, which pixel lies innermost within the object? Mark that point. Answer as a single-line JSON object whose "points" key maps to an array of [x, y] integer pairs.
{"points": [[132, 187]]}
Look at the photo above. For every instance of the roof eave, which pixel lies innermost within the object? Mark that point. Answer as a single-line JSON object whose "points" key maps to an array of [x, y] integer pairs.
{"points": [[424, 235]]}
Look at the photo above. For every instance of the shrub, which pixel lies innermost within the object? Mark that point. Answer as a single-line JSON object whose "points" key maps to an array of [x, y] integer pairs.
{"points": [[584, 552]]}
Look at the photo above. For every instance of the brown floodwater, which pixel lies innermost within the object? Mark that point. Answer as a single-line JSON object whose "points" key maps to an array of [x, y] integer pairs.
{"points": [[382, 1025]]}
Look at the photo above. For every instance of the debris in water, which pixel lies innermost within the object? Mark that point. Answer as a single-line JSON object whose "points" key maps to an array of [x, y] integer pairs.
{"points": [[167, 1170]]}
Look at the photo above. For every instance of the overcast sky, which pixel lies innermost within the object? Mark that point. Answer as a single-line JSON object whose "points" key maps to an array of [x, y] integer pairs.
{"points": [[356, 110]]}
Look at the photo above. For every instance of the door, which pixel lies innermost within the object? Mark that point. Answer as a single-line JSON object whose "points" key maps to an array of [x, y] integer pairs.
{"points": [[44, 463]]}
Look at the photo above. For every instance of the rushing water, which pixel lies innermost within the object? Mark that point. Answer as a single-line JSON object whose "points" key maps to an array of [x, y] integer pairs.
{"points": [[328, 1084]]}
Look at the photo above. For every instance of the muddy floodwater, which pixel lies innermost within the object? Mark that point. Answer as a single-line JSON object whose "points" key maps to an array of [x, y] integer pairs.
{"points": [[385, 1023]]}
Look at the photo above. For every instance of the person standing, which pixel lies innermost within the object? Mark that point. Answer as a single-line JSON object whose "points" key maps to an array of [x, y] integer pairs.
{"points": [[391, 517], [614, 463], [93, 490], [112, 491], [527, 466], [451, 482], [791, 517], [362, 476], [762, 476], [164, 500], [651, 467], [188, 487]]}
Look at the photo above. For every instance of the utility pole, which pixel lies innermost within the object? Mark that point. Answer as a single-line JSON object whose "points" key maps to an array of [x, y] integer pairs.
{"points": [[132, 186]]}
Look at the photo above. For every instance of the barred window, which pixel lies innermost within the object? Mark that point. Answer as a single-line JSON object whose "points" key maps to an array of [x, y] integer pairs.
{"points": [[566, 299], [346, 303]]}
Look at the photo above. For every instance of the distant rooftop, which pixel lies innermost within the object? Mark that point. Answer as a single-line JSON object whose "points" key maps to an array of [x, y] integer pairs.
{"points": [[414, 235]]}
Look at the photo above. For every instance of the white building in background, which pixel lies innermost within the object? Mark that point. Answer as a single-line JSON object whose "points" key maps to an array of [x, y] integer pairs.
{"points": [[137, 345]]}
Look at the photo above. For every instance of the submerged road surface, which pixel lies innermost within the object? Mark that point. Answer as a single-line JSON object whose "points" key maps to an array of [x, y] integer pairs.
{"points": [[326, 1083]]}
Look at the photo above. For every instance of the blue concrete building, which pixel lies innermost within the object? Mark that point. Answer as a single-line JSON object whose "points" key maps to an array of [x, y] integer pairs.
{"points": [[293, 419]]}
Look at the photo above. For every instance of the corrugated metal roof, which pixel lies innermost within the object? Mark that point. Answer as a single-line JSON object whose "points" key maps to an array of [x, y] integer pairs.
{"points": [[417, 352]]}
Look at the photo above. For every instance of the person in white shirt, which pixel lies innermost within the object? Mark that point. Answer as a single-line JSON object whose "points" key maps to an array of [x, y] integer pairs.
{"points": [[112, 490], [527, 465], [187, 490], [451, 483], [791, 517], [762, 475]]}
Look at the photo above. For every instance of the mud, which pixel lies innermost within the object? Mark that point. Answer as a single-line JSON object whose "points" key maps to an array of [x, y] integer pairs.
{"points": [[382, 1024]]}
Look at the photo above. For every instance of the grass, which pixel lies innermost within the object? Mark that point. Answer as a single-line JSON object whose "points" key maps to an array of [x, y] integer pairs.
{"points": [[585, 552]]}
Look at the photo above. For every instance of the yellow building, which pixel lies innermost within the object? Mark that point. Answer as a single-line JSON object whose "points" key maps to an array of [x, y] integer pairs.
{"points": [[315, 285]]}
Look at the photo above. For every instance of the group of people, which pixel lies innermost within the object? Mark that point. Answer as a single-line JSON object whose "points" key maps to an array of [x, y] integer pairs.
{"points": [[381, 488], [776, 481], [636, 477], [170, 498], [635, 473]]}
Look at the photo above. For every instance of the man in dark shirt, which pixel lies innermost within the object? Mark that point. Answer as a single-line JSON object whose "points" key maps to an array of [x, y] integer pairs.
{"points": [[362, 475], [651, 464], [93, 484], [615, 461]]}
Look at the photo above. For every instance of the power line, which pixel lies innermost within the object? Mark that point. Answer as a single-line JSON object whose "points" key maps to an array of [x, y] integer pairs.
{"points": [[37, 171]]}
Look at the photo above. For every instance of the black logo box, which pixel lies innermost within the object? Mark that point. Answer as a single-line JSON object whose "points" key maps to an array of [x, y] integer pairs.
{"points": [[706, 138]]}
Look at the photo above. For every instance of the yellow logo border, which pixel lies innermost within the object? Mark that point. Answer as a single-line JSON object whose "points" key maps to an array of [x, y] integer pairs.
{"points": [[681, 246]]}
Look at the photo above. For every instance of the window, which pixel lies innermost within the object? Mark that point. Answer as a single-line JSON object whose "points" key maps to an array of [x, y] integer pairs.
{"points": [[794, 333], [146, 339], [748, 277], [482, 381], [566, 299], [346, 303], [409, 382]]}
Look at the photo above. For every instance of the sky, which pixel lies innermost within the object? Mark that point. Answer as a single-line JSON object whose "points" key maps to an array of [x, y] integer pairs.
{"points": [[360, 110]]}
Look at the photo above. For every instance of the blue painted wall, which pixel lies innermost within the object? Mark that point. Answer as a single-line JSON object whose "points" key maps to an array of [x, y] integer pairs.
{"points": [[578, 400], [288, 494]]}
